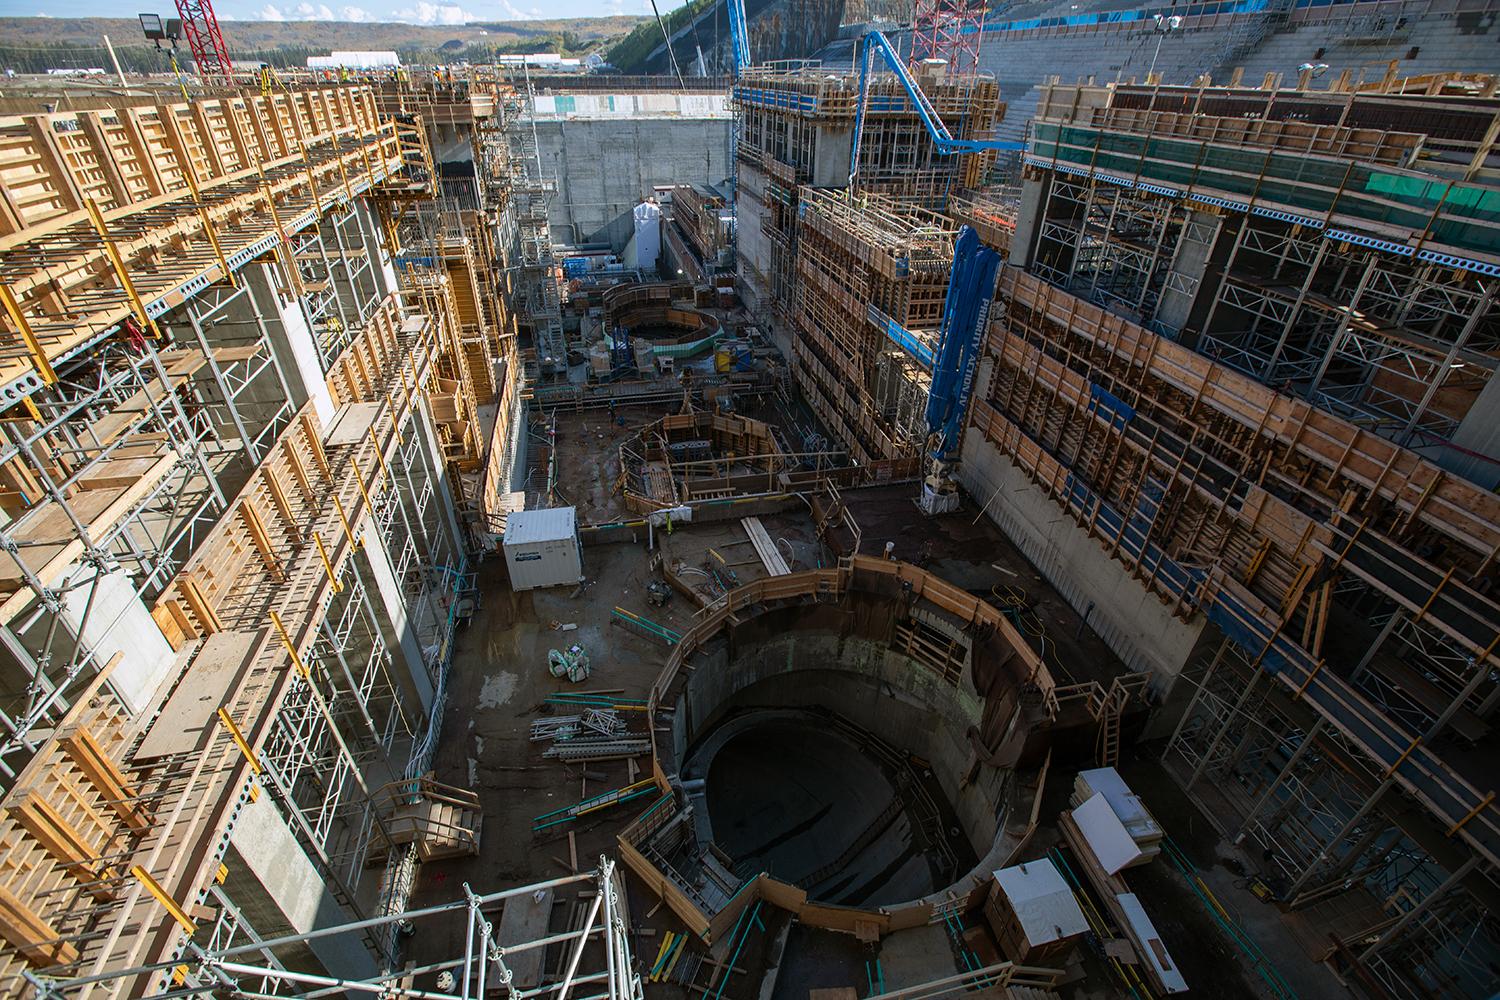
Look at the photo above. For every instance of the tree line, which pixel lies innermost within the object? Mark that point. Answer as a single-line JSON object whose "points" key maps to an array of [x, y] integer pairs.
{"points": [[41, 57]]}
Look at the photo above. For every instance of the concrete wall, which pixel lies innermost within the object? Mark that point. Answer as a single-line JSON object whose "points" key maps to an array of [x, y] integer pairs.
{"points": [[903, 702], [275, 885], [1477, 440], [751, 242], [1468, 42], [293, 341], [606, 166], [115, 620], [1138, 627]]}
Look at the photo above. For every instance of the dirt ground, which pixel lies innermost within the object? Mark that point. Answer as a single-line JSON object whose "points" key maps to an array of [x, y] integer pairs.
{"points": [[588, 454]]}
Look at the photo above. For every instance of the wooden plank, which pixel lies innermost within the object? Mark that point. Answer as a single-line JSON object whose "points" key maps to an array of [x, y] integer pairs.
{"points": [[67, 845], [171, 627], [211, 674], [351, 424], [525, 918], [117, 473], [765, 548], [261, 538], [198, 603], [49, 566]]}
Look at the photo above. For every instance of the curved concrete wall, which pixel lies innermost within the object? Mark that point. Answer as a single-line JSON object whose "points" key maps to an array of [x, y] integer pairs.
{"points": [[816, 658]]}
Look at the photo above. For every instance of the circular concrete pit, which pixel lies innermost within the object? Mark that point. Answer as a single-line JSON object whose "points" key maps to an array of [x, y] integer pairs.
{"points": [[814, 799], [822, 744]]}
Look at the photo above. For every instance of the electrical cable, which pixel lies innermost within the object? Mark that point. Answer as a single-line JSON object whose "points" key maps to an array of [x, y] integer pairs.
{"points": [[667, 40]]}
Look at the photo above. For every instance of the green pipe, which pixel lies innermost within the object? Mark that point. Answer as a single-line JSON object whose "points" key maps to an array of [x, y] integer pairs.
{"points": [[732, 935], [577, 696], [654, 806], [593, 799], [667, 949], [1242, 940], [755, 915], [568, 819]]}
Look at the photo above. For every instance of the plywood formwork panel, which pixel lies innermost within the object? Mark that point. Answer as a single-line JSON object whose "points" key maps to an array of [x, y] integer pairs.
{"points": [[117, 216]]}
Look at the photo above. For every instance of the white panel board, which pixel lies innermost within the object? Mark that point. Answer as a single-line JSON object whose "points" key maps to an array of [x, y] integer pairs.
{"points": [[1107, 837], [1151, 943]]}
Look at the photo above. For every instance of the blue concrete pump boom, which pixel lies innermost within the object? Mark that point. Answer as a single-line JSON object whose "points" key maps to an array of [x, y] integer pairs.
{"points": [[739, 34], [876, 42], [971, 289]]}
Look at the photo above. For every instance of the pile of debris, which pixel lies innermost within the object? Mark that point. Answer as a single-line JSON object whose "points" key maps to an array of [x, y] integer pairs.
{"points": [[597, 734]]}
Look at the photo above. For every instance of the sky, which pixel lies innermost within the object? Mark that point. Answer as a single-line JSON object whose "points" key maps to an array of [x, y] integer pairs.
{"points": [[410, 11]]}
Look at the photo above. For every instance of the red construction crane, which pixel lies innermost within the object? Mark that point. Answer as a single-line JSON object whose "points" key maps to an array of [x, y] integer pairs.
{"points": [[210, 54], [950, 30]]}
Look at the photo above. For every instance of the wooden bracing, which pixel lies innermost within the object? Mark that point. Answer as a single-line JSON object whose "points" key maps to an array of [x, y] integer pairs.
{"points": [[1220, 493], [861, 265]]}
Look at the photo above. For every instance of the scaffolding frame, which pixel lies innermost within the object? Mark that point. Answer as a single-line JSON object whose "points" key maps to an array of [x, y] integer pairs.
{"points": [[1227, 498], [236, 959]]}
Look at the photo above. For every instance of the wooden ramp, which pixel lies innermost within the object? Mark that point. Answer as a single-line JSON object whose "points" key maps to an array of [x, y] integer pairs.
{"points": [[765, 548]]}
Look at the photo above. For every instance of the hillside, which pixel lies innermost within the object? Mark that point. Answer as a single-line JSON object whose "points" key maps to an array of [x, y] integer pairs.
{"points": [[31, 44]]}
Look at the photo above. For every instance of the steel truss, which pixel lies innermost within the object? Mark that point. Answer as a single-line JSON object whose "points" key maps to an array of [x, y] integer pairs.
{"points": [[540, 295], [1109, 244], [1314, 806], [1399, 347]]}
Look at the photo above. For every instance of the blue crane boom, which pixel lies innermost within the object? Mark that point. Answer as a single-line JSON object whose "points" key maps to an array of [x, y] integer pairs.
{"points": [[875, 43]]}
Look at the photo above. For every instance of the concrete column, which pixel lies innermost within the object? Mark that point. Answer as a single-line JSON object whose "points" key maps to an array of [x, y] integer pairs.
{"points": [[380, 259], [381, 584], [831, 157], [1033, 194], [279, 891], [1176, 309], [425, 427], [292, 337], [1477, 457], [108, 617]]}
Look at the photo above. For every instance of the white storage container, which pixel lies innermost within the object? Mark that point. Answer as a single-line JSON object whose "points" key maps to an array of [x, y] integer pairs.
{"points": [[541, 548]]}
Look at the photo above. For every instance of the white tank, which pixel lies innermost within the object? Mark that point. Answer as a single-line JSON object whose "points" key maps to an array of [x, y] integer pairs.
{"points": [[647, 217]]}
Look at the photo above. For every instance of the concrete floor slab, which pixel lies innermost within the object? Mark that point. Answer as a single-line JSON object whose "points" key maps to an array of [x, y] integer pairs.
{"points": [[916, 956]]}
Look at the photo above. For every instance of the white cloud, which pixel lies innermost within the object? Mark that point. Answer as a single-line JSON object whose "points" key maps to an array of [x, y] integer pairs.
{"points": [[301, 12], [432, 13], [355, 14], [514, 13]]}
